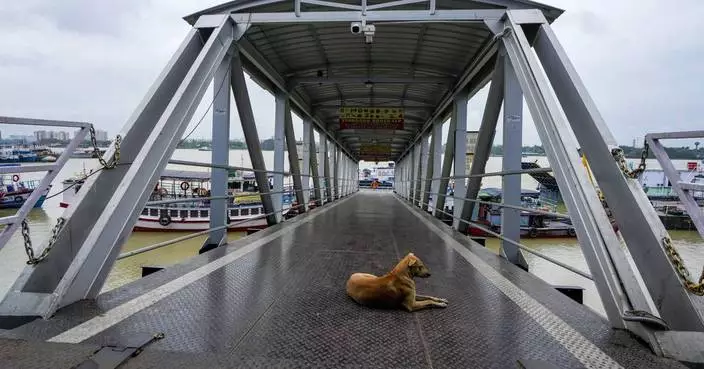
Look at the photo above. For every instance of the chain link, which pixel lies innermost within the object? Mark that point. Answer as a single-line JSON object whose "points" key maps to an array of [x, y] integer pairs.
{"points": [[32, 260], [96, 150], [621, 160], [696, 288]]}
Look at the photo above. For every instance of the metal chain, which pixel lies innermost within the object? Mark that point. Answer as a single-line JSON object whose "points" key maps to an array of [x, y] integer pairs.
{"points": [[96, 150], [32, 260], [621, 160], [696, 288]]}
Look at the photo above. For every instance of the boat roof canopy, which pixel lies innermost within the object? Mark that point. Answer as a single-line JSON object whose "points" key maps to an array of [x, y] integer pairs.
{"points": [[174, 174]]}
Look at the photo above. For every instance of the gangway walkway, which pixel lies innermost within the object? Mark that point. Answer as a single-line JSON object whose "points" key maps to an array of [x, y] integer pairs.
{"points": [[277, 299]]}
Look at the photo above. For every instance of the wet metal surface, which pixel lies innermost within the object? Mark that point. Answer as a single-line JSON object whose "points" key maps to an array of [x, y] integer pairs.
{"points": [[284, 304]]}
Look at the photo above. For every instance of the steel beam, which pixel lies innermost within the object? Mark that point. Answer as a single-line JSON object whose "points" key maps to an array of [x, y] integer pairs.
{"points": [[422, 172], [638, 222], [336, 171], [472, 80], [249, 129], [219, 155], [593, 227], [279, 123], [446, 168], [429, 172], [15, 221], [326, 168], [80, 261], [476, 15], [294, 166], [102, 245], [485, 139], [265, 69], [315, 168], [459, 106], [437, 163], [308, 164], [511, 185], [681, 188], [371, 79], [44, 122]]}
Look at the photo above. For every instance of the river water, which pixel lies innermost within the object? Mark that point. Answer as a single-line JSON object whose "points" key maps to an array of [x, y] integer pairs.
{"points": [[12, 257]]}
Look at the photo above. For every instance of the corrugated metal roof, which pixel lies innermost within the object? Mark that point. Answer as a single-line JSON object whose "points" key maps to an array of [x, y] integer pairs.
{"points": [[409, 65]]}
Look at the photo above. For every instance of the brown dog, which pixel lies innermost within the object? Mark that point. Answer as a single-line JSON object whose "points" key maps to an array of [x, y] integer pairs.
{"points": [[395, 289]]}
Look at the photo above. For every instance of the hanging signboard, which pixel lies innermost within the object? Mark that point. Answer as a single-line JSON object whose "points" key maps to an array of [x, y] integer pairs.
{"points": [[374, 150], [357, 117], [471, 147]]}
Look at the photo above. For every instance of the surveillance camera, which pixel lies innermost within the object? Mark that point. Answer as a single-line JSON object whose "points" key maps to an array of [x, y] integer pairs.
{"points": [[356, 27]]}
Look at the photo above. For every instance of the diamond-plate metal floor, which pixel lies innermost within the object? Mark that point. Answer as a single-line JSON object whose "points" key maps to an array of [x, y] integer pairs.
{"points": [[277, 300]]}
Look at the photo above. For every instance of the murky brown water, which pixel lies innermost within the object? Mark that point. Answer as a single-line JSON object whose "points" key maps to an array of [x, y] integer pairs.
{"points": [[12, 257]]}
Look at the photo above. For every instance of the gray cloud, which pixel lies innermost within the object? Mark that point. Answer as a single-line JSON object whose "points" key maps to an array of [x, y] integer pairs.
{"points": [[94, 61]]}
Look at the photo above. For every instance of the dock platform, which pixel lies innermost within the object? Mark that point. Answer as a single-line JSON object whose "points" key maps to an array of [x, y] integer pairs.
{"points": [[276, 299]]}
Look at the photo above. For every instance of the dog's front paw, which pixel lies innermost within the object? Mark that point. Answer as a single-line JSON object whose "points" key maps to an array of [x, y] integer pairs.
{"points": [[438, 299], [441, 304]]}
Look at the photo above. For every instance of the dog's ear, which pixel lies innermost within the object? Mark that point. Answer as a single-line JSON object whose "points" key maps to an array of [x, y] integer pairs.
{"points": [[412, 262]]}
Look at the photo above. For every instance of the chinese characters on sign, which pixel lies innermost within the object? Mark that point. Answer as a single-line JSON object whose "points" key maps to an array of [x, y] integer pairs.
{"points": [[371, 118]]}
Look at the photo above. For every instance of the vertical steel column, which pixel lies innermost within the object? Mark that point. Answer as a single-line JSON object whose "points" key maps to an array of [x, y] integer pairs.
{"points": [[326, 164], [314, 163], [335, 171], [446, 167], [307, 165], [346, 175], [422, 154], [321, 167], [294, 167], [485, 139], [511, 185], [249, 129], [412, 158], [460, 107], [219, 156], [281, 101], [437, 165], [429, 166]]}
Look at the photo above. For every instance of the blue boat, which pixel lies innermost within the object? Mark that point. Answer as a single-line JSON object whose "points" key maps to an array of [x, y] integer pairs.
{"points": [[14, 192]]}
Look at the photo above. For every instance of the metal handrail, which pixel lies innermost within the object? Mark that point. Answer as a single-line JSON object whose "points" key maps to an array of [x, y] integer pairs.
{"points": [[481, 175], [229, 167], [520, 246], [503, 205], [196, 234]]}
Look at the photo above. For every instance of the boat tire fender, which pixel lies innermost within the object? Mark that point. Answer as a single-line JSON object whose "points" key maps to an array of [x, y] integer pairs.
{"points": [[165, 220], [533, 233], [18, 199], [185, 186], [571, 232], [15, 178]]}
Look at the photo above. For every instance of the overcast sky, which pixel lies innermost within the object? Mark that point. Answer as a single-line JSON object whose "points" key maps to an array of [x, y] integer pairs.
{"points": [[642, 61]]}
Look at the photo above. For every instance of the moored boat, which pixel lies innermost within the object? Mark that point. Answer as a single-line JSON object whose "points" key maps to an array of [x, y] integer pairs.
{"points": [[14, 192], [245, 210]]}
